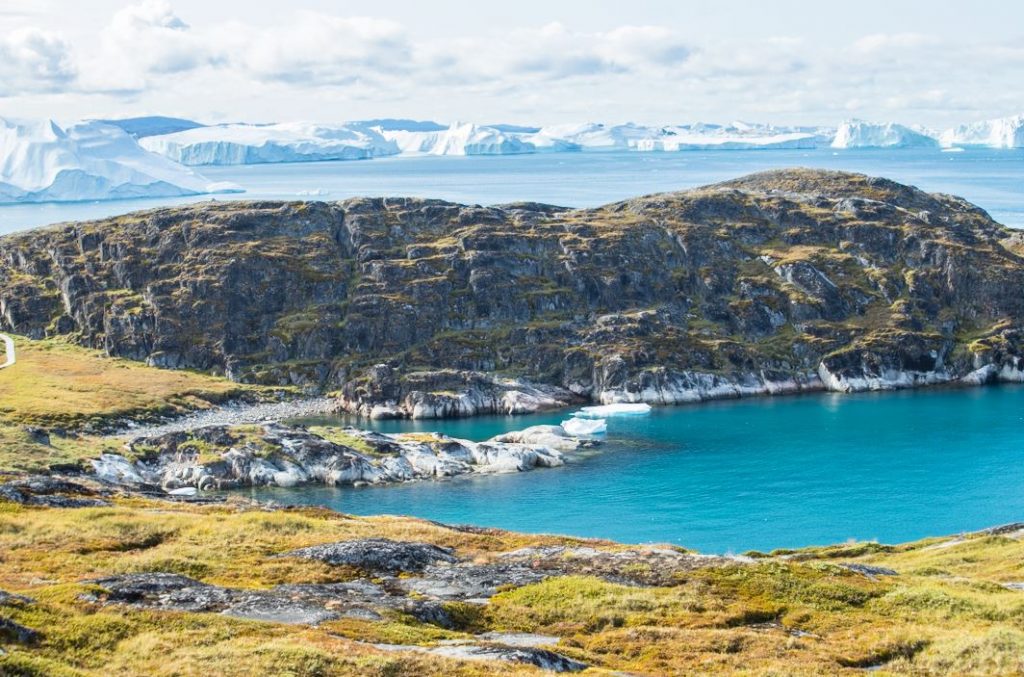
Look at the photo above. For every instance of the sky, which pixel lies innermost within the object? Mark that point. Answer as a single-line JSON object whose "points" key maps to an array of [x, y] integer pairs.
{"points": [[936, 63]]}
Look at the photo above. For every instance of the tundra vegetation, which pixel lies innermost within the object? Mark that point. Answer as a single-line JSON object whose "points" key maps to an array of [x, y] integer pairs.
{"points": [[941, 606], [170, 311]]}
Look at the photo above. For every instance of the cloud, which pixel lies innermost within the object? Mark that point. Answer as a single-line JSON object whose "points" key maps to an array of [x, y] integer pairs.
{"points": [[642, 46], [24, 8], [554, 52], [892, 42], [151, 58], [33, 60], [322, 49], [143, 43]]}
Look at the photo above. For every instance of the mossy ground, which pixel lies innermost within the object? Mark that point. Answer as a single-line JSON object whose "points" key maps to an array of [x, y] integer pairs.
{"points": [[54, 383], [792, 612], [57, 385], [340, 436]]}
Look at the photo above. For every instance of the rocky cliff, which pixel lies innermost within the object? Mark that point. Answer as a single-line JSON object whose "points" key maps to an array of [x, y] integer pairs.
{"points": [[776, 282]]}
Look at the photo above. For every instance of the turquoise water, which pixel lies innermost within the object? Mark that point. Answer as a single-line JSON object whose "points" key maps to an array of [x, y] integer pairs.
{"points": [[761, 473], [990, 178]]}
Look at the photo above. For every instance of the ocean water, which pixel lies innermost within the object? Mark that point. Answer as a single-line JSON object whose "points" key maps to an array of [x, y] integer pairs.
{"points": [[732, 476], [994, 179]]}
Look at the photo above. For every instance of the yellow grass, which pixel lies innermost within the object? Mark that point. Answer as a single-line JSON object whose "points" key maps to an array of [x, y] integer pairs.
{"points": [[791, 613], [55, 383]]}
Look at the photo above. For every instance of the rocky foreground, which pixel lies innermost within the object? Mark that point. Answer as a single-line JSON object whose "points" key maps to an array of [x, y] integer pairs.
{"points": [[778, 282], [96, 579]]}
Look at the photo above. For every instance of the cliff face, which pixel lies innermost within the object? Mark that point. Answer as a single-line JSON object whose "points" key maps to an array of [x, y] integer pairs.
{"points": [[774, 282]]}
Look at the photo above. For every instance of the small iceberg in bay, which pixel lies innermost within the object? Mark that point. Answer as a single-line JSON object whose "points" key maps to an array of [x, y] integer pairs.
{"points": [[617, 409], [578, 427]]}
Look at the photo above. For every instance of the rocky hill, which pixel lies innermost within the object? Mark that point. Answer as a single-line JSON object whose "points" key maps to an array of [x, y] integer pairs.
{"points": [[776, 282]]}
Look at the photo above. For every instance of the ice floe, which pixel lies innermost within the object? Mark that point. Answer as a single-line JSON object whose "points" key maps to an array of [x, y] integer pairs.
{"points": [[616, 409]]}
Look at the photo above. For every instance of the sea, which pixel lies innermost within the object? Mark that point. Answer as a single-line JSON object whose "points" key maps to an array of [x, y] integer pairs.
{"points": [[993, 179]]}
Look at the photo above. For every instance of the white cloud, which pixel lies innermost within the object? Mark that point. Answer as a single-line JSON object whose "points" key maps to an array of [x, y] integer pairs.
{"points": [[642, 46], [891, 42], [750, 59], [149, 58], [554, 52], [32, 60], [142, 43], [321, 49]]}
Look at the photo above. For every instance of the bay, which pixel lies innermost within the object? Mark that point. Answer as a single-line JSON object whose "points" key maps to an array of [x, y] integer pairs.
{"points": [[732, 476]]}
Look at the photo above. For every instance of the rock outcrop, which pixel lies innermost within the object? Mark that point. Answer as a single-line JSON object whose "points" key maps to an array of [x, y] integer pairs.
{"points": [[220, 457], [426, 582], [11, 631], [779, 282], [380, 555], [51, 492], [293, 604]]}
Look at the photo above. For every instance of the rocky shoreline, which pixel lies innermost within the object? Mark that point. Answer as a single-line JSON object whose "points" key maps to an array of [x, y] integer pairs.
{"points": [[658, 386], [271, 454]]}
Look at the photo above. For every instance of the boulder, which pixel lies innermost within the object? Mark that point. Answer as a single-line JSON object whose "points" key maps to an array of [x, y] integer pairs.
{"points": [[379, 555]]}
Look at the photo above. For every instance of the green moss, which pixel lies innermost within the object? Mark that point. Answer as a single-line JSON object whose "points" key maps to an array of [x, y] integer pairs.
{"points": [[340, 436]]}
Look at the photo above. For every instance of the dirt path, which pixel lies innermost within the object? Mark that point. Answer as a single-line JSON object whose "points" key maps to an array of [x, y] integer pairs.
{"points": [[9, 345], [234, 414]]}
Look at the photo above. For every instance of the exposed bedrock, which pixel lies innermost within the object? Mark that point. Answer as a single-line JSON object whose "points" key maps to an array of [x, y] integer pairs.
{"points": [[219, 457], [778, 282]]}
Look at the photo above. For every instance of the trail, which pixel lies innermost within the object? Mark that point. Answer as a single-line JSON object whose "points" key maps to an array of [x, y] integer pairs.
{"points": [[9, 345], [232, 414]]}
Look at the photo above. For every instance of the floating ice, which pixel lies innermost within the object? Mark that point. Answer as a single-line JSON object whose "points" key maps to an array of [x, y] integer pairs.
{"points": [[630, 136], [42, 162], [585, 426], [617, 409], [464, 139], [245, 144], [860, 134], [292, 142], [999, 133]]}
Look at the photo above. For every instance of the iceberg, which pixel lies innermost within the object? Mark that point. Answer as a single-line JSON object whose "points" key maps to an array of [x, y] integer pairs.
{"points": [[42, 162], [244, 144], [617, 409], [241, 143], [153, 125], [861, 134], [999, 133], [467, 139], [677, 139], [580, 427], [397, 124], [700, 136], [596, 136]]}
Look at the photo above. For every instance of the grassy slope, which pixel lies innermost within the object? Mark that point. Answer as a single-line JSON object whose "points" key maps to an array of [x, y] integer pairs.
{"points": [[945, 612], [56, 384]]}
